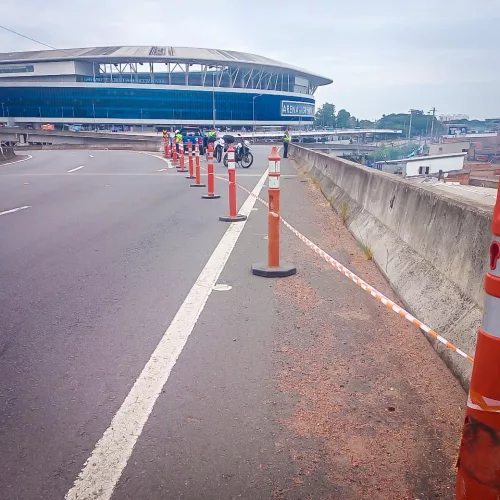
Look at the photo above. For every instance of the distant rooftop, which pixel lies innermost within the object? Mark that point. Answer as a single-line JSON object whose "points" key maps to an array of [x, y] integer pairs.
{"points": [[420, 158]]}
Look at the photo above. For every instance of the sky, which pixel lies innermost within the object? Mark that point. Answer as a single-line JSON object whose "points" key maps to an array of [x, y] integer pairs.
{"points": [[385, 56]]}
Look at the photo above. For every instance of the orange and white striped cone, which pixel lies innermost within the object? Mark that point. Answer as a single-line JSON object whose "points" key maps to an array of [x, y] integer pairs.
{"points": [[190, 161], [174, 152], [273, 268], [197, 167], [210, 175], [182, 166], [165, 147], [478, 474], [231, 170]]}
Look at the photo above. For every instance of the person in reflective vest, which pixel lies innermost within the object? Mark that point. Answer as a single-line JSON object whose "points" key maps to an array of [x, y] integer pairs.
{"points": [[178, 139], [286, 141], [210, 137]]}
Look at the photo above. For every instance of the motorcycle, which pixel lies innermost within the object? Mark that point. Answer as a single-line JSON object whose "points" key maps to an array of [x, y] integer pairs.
{"points": [[242, 155], [220, 146]]}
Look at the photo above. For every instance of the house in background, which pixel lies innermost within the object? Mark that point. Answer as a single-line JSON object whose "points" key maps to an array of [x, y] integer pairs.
{"points": [[423, 165], [449, 147]]}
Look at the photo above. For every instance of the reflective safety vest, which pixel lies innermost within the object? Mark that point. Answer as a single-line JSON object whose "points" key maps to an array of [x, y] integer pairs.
{"points": [[212, 133], [287, 138], [178, 138]]}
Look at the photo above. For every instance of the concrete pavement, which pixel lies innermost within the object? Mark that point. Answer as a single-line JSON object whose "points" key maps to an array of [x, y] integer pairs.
{"points": [[282, 389]]}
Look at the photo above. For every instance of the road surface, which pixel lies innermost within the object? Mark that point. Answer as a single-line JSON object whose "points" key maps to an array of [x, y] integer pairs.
{"points": [[111, 386]]}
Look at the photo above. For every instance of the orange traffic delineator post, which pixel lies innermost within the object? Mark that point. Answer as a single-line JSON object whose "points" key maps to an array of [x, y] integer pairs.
{"points": [[174, 151], [165, 147], [478, 466], [182, 166], [197, 167], [274, 268], [190, 161], [231, 170], [210, 175]]}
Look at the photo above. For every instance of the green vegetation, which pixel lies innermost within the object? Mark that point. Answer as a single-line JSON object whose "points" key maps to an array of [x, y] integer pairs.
{"points": [[367, 252], [325, 116], [421, 123], [392, 153], [344, 212]]}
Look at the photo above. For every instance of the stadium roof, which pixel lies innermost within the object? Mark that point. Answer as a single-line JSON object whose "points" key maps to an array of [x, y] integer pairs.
{"points": [[160, 54]]}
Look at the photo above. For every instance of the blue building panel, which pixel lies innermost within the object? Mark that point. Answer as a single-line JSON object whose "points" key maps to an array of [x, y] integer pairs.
{"points": [[120, 102]]}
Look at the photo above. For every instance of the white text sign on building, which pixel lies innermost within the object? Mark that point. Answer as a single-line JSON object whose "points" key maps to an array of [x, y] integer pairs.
{"points": [[294, 108]]}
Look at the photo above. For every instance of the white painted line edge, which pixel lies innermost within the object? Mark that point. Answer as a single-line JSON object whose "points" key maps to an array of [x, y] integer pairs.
{"points": [[102, 471], [74, 169], [15, 210], [156, 155], [17, 161]]}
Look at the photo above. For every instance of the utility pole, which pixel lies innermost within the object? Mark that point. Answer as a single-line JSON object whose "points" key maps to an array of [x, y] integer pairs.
{"points": [[409, 128], [432, 124]]}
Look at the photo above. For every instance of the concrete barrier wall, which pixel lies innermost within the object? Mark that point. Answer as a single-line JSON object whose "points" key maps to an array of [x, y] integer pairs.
{"points": [[432, 248]]}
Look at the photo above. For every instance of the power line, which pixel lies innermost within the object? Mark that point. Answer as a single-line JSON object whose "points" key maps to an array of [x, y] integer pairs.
{"points": [[27, 37]]}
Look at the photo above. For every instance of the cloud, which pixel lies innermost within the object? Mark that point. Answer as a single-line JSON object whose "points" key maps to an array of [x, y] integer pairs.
{"points": [[383, 56]]}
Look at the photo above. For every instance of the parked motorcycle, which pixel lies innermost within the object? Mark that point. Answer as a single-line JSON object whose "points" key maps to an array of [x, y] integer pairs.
{"points": [[220, 146], [242, 155]]}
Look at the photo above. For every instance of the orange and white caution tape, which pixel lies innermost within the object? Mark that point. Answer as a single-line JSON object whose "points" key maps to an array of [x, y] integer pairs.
{"points": [[365, 286], [376, 294]]}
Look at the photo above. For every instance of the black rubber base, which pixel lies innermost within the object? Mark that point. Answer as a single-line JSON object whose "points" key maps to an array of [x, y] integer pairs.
{"points": [[198, 185], [286, 269], [207, 197], [182, 170], [237, 218]]}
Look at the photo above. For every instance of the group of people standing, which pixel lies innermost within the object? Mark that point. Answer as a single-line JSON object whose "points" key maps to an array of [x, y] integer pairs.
{"points": [[212, 137]]}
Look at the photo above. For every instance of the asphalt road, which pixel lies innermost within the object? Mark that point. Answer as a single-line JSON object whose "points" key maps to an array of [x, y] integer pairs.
{"points": [[92, 274], [101, 278]]}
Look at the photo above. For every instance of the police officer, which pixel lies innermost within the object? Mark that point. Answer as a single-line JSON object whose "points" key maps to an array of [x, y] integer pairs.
{"points": [[210, 137], [178, 139], [286, 141]]}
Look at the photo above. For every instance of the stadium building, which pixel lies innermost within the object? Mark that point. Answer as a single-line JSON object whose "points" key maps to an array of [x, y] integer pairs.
{"points": [[154, 86]]}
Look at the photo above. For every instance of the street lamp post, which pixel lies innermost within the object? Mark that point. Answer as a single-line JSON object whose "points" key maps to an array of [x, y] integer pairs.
{"points": [[253, 113], [213, 99]]}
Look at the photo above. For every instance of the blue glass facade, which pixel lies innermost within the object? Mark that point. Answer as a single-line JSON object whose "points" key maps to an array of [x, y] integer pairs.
{"points": [[109, 102]]}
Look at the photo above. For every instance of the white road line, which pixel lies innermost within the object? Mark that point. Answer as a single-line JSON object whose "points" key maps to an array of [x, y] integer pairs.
{"points": [[75, 169], [17, 161], [161, 170], [15, 210], [103, 469], [156, 155]]}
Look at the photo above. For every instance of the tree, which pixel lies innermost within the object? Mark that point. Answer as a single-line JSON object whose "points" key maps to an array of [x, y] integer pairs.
{"points": [[352, 122], [366, 124], [343, 118], [325, 116], [420, 123]]}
